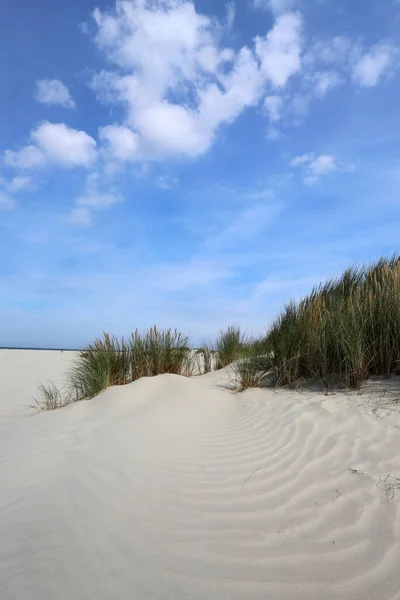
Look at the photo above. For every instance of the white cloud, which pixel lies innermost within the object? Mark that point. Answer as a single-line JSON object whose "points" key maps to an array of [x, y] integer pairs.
{"points": [[273, 134], [302, 160], [80, 216], [242, 87], [322, 164], [169, 51], [17, 184], [314, 86], [274, 104], [63, 145], [230, 14], [166, 183], [171, 128], [276, 6], [6, 202], [55, 143], [178, 85], [329, 51], [20, 183], [280, 51], [28, 157], [97, 196], [246, 223], [373, 65], [53, 91], [122, 142], [314, 167], [261, 194], [325, 81]]}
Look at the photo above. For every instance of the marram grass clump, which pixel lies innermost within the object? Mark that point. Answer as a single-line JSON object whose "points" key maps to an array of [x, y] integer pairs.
{"points": [[344, 331], [230, 345], [112, 361], [50, 397]]}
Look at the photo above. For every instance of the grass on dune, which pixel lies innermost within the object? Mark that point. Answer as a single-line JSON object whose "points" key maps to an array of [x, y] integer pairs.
{"points": [[50, 397], [341, 333], [344, 331], [230, 345], [252, 371], [112, 361]]}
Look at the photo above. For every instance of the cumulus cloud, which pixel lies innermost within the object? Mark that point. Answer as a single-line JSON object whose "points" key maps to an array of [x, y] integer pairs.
{"points": [[65, 146], [54, 91], [373, 65], [54, 143], [280, 51], [121, 141], [179, 85]]}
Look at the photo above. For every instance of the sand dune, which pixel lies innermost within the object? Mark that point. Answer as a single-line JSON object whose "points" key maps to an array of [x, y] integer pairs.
{"points": [[176, 488]]}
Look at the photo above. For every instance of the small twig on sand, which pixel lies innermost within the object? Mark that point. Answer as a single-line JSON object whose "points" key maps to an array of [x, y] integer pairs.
{"points": [[251, 475], [279, 451], [258, 469], [357, 472]]}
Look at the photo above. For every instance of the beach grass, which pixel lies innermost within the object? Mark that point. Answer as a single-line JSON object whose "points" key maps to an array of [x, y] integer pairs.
{"points": [[231, 344], [344, 331], [50, 397], [252, 371], [117, 361]]}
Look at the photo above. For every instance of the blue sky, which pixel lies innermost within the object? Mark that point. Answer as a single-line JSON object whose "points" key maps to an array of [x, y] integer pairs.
{"points": [[190, 164]]}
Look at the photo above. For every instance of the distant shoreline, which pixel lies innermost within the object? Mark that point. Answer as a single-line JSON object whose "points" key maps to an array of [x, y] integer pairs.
{"points": [[51, 349]]}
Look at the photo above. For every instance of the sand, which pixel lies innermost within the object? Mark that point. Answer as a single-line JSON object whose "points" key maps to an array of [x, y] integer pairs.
{"points": [[174, 488]]}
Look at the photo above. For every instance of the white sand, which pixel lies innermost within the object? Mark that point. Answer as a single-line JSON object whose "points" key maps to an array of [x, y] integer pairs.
{"points": [[174, 488]]}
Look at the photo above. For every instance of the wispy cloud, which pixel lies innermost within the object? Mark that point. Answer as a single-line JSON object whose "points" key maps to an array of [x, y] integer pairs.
{"points": [[315, 167], [373, 65], [54, 91], [276, 6], [99, 195], [7, 202], [163, 182]]}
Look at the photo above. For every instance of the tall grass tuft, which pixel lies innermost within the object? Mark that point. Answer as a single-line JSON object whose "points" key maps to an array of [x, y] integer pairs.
{"points": [[342, 332], [113, 361], [230, 345], [50, 397], [252, 371]]}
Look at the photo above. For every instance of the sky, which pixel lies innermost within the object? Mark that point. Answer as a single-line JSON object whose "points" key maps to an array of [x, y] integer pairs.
{"points": [[190, 164]]}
